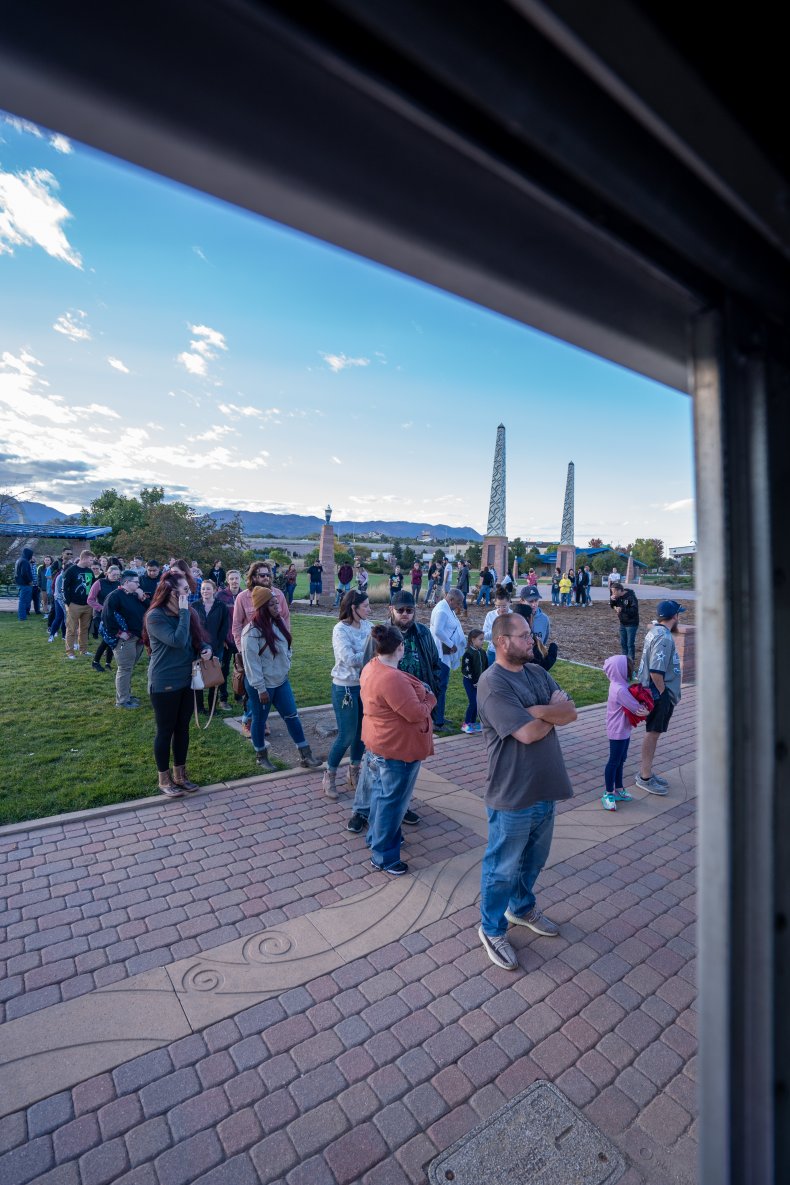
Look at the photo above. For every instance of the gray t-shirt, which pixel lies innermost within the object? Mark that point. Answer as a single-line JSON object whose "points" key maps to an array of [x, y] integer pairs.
{"points": [[659, 653], [519, 775]]}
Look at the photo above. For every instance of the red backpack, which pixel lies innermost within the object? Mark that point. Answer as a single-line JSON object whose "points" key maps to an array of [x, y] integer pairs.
{"points": [[642, 694]]}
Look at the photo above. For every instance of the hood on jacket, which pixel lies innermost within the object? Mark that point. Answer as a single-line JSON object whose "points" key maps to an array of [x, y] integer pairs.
{"points": [[27, 553], [616, 669]]}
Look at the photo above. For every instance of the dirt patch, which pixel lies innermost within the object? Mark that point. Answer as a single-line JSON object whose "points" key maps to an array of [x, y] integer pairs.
{"points": [[587, 635]]}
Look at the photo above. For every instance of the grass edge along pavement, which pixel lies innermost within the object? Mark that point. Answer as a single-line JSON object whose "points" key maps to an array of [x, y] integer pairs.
{"points": [[67, 748]]}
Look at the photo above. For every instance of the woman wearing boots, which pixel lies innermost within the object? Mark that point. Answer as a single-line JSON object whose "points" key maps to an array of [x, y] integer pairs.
{"points": [[349, 638], [266, 651], [174, 635]]}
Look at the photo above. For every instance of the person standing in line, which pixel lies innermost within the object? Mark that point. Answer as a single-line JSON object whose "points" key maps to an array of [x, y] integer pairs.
{"points": [[349, 638], [613, 577], [150, 579], [172, 632], [77, 583], [345, 574], [396, 732], [362, 579], [501, 605], [217, 574], [555, 586], [41, 580], [23, 579], [473, 664], [618, 729], [520, 707], [213, 616], [259, 574], [587, 585], [416, 581], [532, 578], [421, 660], [433, 573], [486, 585], [462, 584], [266, 650], [659, 671], [100, 591], [447, 576], [290, 580], [122, 619], [227, 596], [58, 611], [566, 584], [626, 606], [450, 642], [578, 587], [315, 572]]}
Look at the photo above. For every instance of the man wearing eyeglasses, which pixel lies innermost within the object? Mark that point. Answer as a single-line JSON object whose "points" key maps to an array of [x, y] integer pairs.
{"points": [[421, 659]]}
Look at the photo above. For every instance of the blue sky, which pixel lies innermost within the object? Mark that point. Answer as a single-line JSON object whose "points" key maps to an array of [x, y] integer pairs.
{"points": [[151, 334]]}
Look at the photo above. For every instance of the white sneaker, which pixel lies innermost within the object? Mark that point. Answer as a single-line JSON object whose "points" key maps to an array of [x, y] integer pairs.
{"points": [[499, 951], [535, 921]]}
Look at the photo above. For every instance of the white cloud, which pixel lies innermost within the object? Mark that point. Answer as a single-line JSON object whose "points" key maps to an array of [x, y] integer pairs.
{"points": [[202, 349], [72, 325], [336, 460], [98, 409], [683, 504], [216, 432], [31, 214], [408, 424], [259, 462], [61, 144], [338, 362], [22, 392], [116, 364], [199, 252], [234, 410], [23, 125]]}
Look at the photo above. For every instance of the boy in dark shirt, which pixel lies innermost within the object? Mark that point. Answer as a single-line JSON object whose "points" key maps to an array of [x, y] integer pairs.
{"points": [[396, 582], [626, 606]]}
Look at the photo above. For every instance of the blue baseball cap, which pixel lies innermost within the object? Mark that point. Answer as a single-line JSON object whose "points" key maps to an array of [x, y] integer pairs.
{"points": [[667, 609]]}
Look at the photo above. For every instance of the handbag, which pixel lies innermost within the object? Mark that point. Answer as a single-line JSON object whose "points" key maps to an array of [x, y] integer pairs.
{"points": [[238, 675], [211, 672]]}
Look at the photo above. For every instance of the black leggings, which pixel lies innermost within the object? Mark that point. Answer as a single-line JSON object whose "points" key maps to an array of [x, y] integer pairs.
{"points": [[101, 650], [172, 712]]}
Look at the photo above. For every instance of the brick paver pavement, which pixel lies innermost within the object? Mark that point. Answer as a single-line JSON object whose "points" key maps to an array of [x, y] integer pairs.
{"points": [[364, 1074]]}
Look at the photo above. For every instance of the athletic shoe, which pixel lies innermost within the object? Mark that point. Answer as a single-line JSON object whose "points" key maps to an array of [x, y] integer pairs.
{"points": [[225, 706], [128, 704], [412, 818], [621, 795], [499, 951], [477, 727], [535, 921], [357, 823], [661, 781], [398, 869], [652, 785], [97, 666], [609, 802], [467, 728], [51, 638]]}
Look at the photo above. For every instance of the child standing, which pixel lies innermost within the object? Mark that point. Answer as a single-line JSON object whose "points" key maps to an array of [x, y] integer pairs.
{"points": [[473, 664], [565, 589], [618, 729]]}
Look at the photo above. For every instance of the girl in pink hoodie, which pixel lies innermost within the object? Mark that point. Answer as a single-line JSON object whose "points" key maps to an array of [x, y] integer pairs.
{"points": [[618, 729]]}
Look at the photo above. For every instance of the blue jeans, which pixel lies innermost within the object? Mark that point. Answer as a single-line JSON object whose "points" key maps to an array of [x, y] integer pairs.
{"points": [[628, 640], [613, 774], [485, 591], [391, 784], [281, 698], [342, 589], [566, 598], [289, 592], [431, 587], [24, 602], [349, 726], [471, 695], [58, 620], [415, 592], [441, 694], [518, 847], [555, 596]]}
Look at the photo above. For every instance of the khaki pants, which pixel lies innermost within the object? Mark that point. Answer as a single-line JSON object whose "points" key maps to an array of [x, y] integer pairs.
{"points": [[126, 655], [78, 618]]}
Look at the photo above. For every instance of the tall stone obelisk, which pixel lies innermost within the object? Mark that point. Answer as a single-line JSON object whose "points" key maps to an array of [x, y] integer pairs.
{"points": [[326, 558], [566, 552], [495, 542]]}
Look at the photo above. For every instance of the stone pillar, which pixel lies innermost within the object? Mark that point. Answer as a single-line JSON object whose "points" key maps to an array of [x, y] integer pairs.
{"points": [[495, 554], [629, 570], [326, 558], [566, 557], [686, 646]]}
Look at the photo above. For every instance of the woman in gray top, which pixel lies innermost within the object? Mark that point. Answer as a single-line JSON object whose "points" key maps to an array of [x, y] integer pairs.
{"points": [[175, 637]]}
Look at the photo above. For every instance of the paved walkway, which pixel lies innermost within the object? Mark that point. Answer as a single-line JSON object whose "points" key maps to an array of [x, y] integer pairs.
{"points": [[221, 989]]}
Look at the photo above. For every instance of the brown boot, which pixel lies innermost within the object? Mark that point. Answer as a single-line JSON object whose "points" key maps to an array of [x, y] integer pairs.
{"points": [[181, 778], [166, 786], [352, 777]]}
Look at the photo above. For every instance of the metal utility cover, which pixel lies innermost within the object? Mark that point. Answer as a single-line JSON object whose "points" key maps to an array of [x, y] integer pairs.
{"points": [[538, 1137]]}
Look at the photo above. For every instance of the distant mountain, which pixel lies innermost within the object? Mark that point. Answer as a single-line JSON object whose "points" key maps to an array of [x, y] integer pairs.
{"points": [[294, 526], [37, 512]]}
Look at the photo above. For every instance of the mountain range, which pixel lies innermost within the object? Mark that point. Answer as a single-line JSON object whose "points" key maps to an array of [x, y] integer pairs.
{"points": [[290, 526]]}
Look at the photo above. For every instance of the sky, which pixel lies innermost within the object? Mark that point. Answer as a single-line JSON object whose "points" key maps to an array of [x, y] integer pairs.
{"points": [[150, 334]]}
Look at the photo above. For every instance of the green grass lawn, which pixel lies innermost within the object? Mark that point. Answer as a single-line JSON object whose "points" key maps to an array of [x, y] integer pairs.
{"points": [[66, 747]]}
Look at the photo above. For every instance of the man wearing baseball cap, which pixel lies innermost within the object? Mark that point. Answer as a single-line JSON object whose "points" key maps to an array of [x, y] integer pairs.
{"points": [[541, 627], [659, 671]]}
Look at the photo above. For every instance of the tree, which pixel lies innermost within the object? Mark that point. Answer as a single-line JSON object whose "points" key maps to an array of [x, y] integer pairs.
{"points": [[438, 556], [649, 551], [112, 509], [408, 557], [595, 543], [605, 562], [474, 554]]}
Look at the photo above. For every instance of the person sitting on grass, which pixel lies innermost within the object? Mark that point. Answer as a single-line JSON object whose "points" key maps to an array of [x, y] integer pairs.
{"points": [[266, 650], [473, 664]]}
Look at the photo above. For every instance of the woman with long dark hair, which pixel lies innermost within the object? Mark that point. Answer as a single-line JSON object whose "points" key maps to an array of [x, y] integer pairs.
{"points": [[266, 651], [349, 638], [175, 638], [396, 729]]}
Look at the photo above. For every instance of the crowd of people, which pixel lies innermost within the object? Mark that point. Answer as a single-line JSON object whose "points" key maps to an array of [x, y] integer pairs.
{"points": [[389, 685]]}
